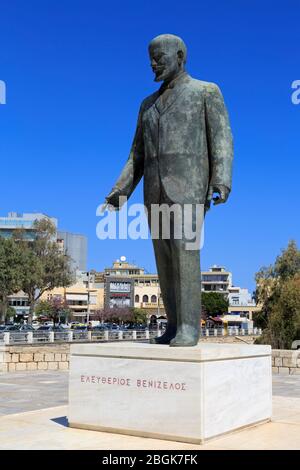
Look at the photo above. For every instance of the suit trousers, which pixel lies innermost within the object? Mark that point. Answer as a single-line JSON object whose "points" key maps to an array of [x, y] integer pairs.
{"points": [[178, 270]]}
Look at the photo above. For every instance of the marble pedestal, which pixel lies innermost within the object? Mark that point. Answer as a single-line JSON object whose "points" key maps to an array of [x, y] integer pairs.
{"points": [[182, 394]]}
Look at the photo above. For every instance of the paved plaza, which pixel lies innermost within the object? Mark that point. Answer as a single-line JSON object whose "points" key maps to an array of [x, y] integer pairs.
{"points": [[28, 391], [33, 410]]}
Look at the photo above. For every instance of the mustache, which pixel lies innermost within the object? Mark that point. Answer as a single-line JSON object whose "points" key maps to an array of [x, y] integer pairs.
{"points": [[158, 69]]}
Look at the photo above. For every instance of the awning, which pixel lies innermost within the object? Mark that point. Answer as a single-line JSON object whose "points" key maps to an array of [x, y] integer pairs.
{"points": [[79, 297], [216, 319]]}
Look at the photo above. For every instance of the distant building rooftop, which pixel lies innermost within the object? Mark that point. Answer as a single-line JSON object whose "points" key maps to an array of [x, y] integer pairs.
{"points": [[14, 220]]}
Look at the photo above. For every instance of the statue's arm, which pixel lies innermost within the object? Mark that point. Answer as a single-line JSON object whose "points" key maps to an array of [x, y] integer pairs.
{"points": [[219, 138], [133, 169]]}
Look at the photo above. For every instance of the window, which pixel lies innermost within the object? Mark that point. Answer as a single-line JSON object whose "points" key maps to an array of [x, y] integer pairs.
{"points": [[214, 278], [137, 298], [77, 302], [207, 288], [145, 298], [153, 299]]}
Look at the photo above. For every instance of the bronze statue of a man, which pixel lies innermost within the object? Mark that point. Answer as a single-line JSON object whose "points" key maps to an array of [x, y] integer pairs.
{"points": [[183, 148]]}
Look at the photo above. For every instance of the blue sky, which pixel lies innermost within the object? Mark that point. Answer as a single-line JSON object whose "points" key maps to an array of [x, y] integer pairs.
{"points": [[76, 72]]}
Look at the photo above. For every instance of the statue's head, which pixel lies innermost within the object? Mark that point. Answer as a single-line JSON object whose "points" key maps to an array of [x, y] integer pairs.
{"points": [[167, 55]]}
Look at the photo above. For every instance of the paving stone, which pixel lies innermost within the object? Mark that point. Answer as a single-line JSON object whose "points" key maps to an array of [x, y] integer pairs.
{"points": [[30, 390], [38, 357], [49, 357], [284, 370], [26, 357], [52, 365], [42, 365], [11, 367], [4, 367], [278, 361], [50, 388], [6, 357]]}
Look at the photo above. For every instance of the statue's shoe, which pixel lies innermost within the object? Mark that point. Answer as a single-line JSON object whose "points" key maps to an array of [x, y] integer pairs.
{"points": [[184, 341], [166, 338]]}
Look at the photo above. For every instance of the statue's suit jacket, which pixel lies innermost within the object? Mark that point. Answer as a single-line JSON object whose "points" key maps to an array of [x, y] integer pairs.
{"points": [[182, 144]]}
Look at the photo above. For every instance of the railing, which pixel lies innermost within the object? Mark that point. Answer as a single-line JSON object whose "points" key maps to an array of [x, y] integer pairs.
{"points": [[68, 336], [231, 331]]}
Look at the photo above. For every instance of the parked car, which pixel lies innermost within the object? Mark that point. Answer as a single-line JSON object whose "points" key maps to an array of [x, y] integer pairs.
{"points": [[296, 344], [51, 328], [77, 325], [8, 327], [44, 330], [136, 326], [100, 328], [15, 334], [25, 327], [80, 332]]}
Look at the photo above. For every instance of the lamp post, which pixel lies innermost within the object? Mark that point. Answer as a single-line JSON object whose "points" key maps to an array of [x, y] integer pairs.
{"points": [[158, 307], [88, 303]]}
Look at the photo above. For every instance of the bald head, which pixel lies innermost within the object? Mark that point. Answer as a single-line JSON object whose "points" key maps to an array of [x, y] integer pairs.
{"points": [[169, 41], [168, 56]]}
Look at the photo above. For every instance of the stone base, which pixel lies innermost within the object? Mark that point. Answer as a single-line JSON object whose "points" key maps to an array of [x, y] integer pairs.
{"points": [[29, 357], [182, 394]]}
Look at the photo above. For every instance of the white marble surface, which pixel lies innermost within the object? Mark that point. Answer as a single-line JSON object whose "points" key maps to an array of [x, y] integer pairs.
{"points": [[201, 352], [187, 394], [236, 393]]}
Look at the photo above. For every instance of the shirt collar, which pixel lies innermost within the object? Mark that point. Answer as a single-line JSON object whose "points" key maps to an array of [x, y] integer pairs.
{"points": [[173, 82]]}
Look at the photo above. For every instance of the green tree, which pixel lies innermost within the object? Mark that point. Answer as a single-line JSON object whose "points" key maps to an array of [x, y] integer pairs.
{"points": [[45, 265], [10, 313], [260, 319], [278, 293], [56, 309], [287, 265], [139, 315], [283, 308], [11, 272], [116, 314], [43, 308], [265, 282], [214, 304]]}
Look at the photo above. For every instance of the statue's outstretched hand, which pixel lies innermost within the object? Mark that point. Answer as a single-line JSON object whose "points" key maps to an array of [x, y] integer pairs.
{"points": [[113, 199], [221, 190]]}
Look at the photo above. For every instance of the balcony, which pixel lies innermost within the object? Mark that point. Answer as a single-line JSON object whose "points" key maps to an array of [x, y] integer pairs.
{"points": [[149, 305]]}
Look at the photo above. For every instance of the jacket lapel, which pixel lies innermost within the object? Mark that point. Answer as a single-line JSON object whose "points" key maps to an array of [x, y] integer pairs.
{"points": [[162, 105]]}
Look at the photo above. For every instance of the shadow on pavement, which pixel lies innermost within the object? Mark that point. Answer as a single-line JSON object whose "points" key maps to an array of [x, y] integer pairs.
{"points": [[62, 421]]}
